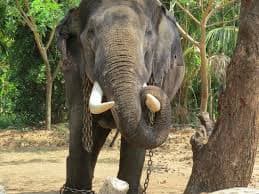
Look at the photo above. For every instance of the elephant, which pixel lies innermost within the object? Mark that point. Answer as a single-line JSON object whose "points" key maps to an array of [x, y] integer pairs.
{"points": [[122, 62]]}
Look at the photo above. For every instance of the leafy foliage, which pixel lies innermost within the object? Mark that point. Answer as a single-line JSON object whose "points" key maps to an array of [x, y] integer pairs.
{"points": [[220, 43], [22, 73], [47, 13], [27, 74], [222, 40]]}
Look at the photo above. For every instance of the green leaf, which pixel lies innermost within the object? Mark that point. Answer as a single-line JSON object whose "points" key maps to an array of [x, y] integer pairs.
{"points": [[47, 14]]}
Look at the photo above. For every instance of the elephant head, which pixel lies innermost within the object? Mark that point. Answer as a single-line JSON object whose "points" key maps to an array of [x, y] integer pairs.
{"points": [[125, 46]]}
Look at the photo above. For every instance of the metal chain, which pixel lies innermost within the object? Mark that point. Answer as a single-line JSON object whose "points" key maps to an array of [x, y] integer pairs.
{"points": [[151, 117], [149, 170], [73, 190], [87, 116]]}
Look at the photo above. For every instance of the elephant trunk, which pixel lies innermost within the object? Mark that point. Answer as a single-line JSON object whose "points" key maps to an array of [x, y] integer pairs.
{"points": [[120, 79]]}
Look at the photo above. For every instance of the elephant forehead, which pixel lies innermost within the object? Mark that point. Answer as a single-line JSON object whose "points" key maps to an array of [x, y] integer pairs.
{"points": [[121, 10], [119, 13]]}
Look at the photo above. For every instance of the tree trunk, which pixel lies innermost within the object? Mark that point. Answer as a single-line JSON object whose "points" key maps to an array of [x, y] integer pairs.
{"points": [[24, 10], [203, 69], [227, 159], [49, 86]]}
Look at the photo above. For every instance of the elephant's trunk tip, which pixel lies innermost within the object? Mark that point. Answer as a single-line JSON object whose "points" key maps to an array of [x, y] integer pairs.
{"points": [[152, 103]]}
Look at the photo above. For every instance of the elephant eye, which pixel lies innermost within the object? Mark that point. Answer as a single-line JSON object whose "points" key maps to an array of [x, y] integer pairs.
{"points": [[90, 32], [148, 32]]}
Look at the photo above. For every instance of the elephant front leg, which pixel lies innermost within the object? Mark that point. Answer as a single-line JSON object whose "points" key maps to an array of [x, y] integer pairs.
{"points": [[131, 165], [80, 163], [79, 168]]}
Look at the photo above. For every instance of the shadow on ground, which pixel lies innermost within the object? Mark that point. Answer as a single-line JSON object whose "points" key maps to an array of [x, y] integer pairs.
{"points": [[18, 162], [32, 150]]}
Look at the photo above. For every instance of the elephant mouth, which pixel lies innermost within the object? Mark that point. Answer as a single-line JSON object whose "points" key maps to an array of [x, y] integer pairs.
{"points": [[96, 105], [135, 124]]}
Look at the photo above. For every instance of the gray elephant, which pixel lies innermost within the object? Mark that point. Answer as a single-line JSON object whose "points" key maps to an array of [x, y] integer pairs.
{"points": [[122, 60]]}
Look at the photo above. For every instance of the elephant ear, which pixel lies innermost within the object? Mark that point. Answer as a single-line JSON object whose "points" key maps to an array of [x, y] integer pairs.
{"points": [[78, 85], [68, 42], [168, 65]]}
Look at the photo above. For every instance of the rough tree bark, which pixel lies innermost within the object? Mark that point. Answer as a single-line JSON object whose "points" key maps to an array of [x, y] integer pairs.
{"points": [[227, 159]]}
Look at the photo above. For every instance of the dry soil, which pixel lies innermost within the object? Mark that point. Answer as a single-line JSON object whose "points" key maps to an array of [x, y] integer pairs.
{"points": [[33, 162]]}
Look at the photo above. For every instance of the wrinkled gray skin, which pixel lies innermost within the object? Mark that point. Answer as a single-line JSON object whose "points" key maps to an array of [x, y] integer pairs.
{"points": [[122, 44]]}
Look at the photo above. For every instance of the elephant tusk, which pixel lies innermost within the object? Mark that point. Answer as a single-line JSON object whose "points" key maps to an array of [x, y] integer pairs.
{"points": [[152, 103], [95, 103]]}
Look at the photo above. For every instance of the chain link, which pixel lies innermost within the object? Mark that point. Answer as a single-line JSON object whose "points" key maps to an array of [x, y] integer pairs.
{"points": [[151, 117], [73, 190], [87, 138], [149, 170]]}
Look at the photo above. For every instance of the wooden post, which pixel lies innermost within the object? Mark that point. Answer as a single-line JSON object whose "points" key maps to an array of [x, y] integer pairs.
{"points": [[114, 186]]}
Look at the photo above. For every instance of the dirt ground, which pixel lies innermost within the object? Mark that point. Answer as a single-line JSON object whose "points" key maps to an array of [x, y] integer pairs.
{"points": [[33, 162]]}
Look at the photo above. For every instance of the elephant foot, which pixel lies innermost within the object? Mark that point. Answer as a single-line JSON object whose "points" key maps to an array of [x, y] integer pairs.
{"points": [[130, 171], [79, 175], [138, 190]]}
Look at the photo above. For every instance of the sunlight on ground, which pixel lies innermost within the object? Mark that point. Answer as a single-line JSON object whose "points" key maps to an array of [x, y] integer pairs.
{"points": [[27, 169]]}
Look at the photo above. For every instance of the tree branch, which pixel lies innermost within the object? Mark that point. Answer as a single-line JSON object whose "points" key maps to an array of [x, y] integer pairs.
{"points": [[186, 35], [52, 34], [33, 26], [27, 5], [206, 15], [222, 5], [188, 13], [219, 7], [31, 18], [202, 134], [201, 4], [56, 71], [24, 15], [222, 22]]}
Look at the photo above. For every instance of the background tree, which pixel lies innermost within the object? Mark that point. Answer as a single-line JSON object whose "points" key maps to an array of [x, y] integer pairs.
{"points": [[26, 71], [39, 16], [227, 159], [29, 26], [7, 88], [208, 9]]}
